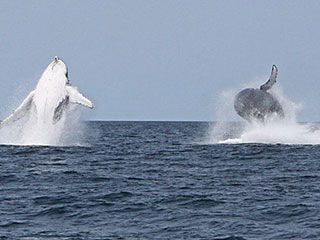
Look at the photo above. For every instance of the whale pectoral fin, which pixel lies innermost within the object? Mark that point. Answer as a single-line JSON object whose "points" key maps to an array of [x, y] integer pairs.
{"points": [[57, 115], [272, 80], [21, 111], [78, 98]]}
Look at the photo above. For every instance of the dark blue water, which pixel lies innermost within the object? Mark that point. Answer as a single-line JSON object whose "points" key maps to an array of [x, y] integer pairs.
{"points": [[152, 180]]}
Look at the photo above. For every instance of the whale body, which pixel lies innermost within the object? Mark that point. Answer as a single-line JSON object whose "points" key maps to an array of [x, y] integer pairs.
{"points": [[51, 97], [258, 104]]}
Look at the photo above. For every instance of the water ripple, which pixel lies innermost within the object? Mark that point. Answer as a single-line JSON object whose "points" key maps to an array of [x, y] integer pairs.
{"points": [[150, 180]]}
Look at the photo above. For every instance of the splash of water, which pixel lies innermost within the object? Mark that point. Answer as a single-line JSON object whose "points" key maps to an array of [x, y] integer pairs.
{"points": [[284, 131], [28, 131]]}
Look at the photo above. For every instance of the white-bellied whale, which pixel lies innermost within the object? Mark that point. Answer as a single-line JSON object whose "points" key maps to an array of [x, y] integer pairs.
{"points": [[258, 104], [51, 97]]}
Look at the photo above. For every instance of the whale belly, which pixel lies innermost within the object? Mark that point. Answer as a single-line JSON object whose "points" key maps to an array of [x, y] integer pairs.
{"points": [[253, 103], [47, 103]]}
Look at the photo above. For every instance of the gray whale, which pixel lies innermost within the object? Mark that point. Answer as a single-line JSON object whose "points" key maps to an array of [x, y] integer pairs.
{"points": [[258, 104]]}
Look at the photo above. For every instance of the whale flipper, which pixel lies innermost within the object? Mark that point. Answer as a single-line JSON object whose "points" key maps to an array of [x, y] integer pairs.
{"points": [[21, 111], [272, 80], [78, 98], [59, 109]]}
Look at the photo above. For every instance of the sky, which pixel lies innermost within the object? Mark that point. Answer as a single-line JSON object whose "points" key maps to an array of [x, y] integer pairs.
{"points": [[161, 59]]}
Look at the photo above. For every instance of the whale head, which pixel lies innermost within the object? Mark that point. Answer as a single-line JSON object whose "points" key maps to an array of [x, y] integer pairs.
{"points": [[58, 66]]}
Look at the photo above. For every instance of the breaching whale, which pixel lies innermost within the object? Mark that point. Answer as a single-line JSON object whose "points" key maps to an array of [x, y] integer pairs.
{"points": [[53, 94], [258, 104]]}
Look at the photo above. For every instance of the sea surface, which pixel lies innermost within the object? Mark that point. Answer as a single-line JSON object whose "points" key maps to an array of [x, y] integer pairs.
{"points": [[159, 180]]}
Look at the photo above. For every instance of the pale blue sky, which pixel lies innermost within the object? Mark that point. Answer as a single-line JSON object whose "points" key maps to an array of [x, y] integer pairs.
{"points": [[161, 60]]}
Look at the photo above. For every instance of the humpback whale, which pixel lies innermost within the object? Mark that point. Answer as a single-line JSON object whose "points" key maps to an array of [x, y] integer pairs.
{"points": [[51, 97], [258, 104]]}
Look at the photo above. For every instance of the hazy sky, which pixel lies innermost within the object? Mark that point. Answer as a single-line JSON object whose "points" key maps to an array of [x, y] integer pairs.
{"points": [[161, 60]]}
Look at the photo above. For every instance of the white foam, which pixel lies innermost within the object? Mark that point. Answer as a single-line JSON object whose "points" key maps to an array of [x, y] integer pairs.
{"points": [[277, 132], [29, 131]]}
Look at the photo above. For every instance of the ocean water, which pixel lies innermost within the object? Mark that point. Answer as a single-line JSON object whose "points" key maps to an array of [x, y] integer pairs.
{"points": [[160, 180]]}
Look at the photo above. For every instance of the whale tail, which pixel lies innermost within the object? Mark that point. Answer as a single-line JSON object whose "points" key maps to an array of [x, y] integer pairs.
{"points": [[272, 80]]}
